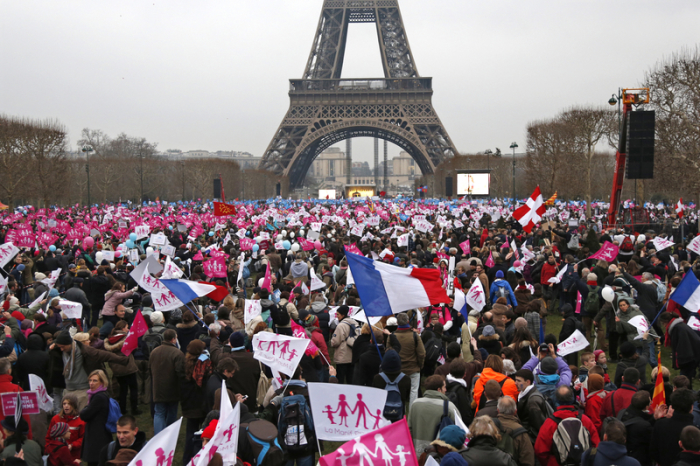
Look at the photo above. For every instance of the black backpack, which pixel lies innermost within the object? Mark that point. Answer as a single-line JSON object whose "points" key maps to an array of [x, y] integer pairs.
{"points": [[433, 347], [570, 440], [283, 318], [445, 420], [153, 339], [393, 407], [263, 441]]}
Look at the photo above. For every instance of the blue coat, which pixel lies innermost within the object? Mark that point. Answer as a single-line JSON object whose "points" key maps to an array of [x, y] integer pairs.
{"points": [[510, 296], [610, 453]]}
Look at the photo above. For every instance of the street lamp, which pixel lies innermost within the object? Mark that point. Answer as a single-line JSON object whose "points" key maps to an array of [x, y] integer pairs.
{"points": [[514, 146], [87, 150], [488, 158]]}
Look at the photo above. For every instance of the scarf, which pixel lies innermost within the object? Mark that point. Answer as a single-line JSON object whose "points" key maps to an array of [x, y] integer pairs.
{"points": [[202, 369], [68, 369], [94, 392]]}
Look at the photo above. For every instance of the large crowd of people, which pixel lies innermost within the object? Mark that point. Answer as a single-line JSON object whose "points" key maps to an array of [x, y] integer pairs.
{"points": [[476, 386]]}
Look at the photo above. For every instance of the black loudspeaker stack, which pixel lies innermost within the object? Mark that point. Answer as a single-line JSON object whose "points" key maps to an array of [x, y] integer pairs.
{"points": [[448, 186], [217, 188], [640, 145]]}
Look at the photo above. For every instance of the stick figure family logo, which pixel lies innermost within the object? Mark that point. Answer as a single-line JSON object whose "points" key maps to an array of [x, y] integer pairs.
{"points": [[389, 446], [161, 460], [344, 412], [360, 408], [280, 352]]}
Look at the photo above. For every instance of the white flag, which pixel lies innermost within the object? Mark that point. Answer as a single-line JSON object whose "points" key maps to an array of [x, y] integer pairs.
{"points": [[279, 351], [71, 309], [476, 297], [661, 243], [316, 283], [559, 275], [402, 241], [694, 245], [161, 448], [241, 259], [344, 412], [574, 343], [224, 441], [37, 300], [170, 270], [7, 252], [305, 289], [36, 384], [252, 309]]}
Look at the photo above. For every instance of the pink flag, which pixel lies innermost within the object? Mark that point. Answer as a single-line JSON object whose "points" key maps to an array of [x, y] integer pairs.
{"points": [[466, 249], [489, 261], [392, 440], [247, 244], [306, 245], [299, 332], [137, 329], [353, 249], [579, 300], [607, 252], [215, 267], [198, 256], [267, 281]]}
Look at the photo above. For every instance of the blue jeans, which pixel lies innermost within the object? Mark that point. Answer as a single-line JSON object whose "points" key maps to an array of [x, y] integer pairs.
{"points": [[166, 414], [302, 461]]}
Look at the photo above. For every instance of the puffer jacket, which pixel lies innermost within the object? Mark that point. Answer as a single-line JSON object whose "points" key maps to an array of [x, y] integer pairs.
{"points": [[112, 299], [114, 344], [339, 341]]}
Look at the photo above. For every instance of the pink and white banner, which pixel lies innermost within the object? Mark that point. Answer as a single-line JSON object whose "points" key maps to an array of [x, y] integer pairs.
{"points": [[607, 252], [344, 412], [279, 351], [160, 450]]}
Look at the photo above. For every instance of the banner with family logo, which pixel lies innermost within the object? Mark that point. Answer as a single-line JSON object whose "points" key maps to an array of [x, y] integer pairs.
{"points": [[279, 352], [343, 412]]}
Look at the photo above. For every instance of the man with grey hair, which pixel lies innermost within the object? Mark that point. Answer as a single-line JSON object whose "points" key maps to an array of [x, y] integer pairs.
{"points": [[412, 352], [647, 296], [508, 418]]}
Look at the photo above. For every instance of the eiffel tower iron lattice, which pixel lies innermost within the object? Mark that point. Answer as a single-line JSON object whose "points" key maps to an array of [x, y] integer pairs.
{"points": [[326, 109]]}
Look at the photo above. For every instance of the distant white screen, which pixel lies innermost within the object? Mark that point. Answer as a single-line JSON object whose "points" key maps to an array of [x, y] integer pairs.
{"points": [[476, 184], [322, 193]]}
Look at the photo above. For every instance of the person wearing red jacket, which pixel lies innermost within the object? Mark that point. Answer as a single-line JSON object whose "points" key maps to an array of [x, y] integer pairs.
{"points": [[622, 397], [549, 270], [594, 399], [6, 385], [57, 446], [69, 414], [566, 409]]}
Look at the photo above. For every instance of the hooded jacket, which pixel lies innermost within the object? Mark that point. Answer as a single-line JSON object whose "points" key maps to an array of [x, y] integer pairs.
{"points": [[609, 454], [562, 369], [510, 296], [114, 344], [339, 341], [543, 444], [35, 360]]}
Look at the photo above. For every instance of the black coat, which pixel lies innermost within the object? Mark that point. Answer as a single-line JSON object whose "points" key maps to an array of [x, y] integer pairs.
{"points": [[213, 384], [97, 436], [571, 323], [664, 446], [459, 395], [647, 296], [138, 444], [368, 366], [361, 344], [33, 361], [685, 344], [639, 434]]}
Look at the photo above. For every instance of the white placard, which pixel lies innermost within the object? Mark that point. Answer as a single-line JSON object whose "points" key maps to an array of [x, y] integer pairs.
{"points": [[576, 342], [253, 308], [71, 309]]}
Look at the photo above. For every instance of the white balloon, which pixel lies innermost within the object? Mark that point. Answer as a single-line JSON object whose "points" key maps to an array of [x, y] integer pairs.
{"points": [[608, 294], [258, 239], [284, 232], [278, 238], [291, 235], [295, 247], [301, 232], [641, 239], [98, 256], [149, 250]]}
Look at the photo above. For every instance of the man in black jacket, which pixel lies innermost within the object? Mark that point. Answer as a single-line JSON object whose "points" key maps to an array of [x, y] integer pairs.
{"points": [[690, 443], [640, 425], [647, 296], [664, 448], [128, 437], [532, 407]]}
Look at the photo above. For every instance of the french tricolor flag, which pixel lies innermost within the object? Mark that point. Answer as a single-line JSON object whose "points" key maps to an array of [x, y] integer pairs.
{"points": [[687, 293], [186, 290], [386, 289]]}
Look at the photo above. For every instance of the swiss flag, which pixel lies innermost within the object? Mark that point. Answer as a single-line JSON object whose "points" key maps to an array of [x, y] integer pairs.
{"points": [[532, 212], [138, 328], [680, 208]]}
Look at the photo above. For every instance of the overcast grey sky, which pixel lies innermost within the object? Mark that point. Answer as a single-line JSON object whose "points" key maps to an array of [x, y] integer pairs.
{"points": [[214, 74]]}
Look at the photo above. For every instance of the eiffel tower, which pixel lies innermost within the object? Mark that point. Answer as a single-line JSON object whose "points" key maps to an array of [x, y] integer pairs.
{"points": [[325, 109]]}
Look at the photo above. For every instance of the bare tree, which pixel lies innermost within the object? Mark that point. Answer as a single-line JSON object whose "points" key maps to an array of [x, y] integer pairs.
{"points": [[13, 159], [588, 126], [675, 84], [46, 145]]}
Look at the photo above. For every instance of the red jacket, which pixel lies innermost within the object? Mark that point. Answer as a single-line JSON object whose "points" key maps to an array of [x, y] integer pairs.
{"points": [[77, 432], [484, 237], [623, 398], [543, 444], [594, 404], [548, 271], [320, 342], [58, 453], [6, 386]]}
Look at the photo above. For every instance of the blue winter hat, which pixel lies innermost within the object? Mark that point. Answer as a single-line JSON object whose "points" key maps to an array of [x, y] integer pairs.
{"points": [[499, 274], [53, 293], [453, 436], [453, 459], [237, 340]]}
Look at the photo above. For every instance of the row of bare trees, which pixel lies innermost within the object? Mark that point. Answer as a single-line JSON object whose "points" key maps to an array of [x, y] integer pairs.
{"points": [[36, 168]]}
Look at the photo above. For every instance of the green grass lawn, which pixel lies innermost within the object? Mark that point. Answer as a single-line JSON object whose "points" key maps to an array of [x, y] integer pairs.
{"points": [[554, 323]]}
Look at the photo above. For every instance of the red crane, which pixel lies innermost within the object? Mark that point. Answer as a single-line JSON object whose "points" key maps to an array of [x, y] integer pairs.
{"points": [[630, 97]]}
